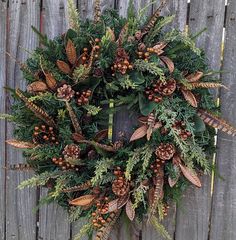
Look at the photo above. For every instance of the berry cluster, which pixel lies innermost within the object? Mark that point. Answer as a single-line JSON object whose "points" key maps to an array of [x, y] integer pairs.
{"points": [[63, 164], [44, 135], [83, 97], [99, 217], [152, 94], [121, 63]]}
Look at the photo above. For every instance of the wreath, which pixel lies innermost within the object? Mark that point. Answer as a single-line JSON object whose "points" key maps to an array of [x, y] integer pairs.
{"points": [[77, 82]]}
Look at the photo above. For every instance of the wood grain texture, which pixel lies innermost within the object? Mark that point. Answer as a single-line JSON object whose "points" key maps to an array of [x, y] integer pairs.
{"points": [[54, 17], [149, 233], [20, 220], [122, 6], [193, 221], [53, 221], [177, 8], [223, 220], [86, 7], [3, 39]]}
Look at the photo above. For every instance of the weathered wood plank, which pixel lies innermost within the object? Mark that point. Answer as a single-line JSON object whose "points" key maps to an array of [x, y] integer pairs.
{"points": [[177, 8], [53, 220], [54, 17], [223, 220], [122, 6], [86, 7], [193, 219], [3, 39], [20, 220]]}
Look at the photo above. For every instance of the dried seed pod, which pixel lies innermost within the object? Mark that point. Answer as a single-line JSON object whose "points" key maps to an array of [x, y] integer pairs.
{"points": [[38, 86], [71, 52], [64, 67], [51, 81]]}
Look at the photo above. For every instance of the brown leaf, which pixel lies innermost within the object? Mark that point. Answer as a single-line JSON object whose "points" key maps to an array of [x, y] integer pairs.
{"points": [[122, 201], [149, 132], [113, 205], [71, 52], [20, 144], [189, 97], [157, 125], [78, 137], [139, 133], [194, 77], [99, 136], [143, 119], [216, 122], [130, 212], [64, 67], [169, 63], [73, 117], [82, 201], [37, 86], [190, 175], [51, 81], [98, 145], [158, 48]]}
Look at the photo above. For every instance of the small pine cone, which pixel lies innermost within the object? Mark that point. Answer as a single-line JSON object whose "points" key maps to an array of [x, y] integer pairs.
{"points": [[91, 154], [165, 151], [65, 92], [138, 35], [141, 47], [71, 151], [166, 88], [120, 186]]}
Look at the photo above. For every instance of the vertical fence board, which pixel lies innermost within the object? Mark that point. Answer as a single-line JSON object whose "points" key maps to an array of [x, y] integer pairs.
{"points": [[20, 220], [3, 39], [86, 7], [223, 220], [177, 8], [194, 212], [53, 220]]}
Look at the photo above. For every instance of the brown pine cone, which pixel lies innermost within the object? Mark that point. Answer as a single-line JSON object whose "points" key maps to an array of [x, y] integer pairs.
{"points": [[141, 47], [71, 151], [120, 187], [165, 88], [165, 151], [65, 92], [97, 72]]}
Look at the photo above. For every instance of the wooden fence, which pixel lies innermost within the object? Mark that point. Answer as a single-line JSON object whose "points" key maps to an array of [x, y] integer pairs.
{"points": [[204, 214]]}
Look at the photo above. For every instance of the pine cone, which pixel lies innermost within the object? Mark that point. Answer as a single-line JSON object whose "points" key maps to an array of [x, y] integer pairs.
{"points": [[120, 186], [165, 88], [71, 151], [165, 151], [141, 47], [65, 92]]}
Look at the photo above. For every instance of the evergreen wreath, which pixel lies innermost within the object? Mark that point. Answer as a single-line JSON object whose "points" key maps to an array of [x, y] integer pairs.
{"points": [[77, 81]]}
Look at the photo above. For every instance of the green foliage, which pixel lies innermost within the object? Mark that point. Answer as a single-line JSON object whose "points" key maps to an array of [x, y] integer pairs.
{"points": [[96, 163], [160, 228]]}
